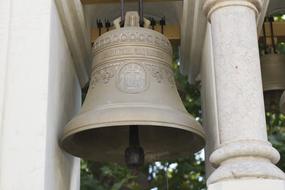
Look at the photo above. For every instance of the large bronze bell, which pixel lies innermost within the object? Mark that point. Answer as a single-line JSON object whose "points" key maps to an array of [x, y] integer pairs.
{"points": [[132, 106], [273, 69]]}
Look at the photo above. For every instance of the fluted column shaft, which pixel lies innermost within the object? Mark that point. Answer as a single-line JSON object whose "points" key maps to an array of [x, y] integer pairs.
{"points": [[244, 151]]}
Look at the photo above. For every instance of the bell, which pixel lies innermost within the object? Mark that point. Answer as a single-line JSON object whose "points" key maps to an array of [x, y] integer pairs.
{"points": [[273, 68], [132, 113]]}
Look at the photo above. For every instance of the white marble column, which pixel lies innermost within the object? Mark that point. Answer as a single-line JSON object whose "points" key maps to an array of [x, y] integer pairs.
{"points": [[244, 152], [282, 103]]}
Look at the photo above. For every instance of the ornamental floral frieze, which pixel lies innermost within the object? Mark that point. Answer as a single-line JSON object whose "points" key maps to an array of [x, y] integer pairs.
{"points": [[132, 76], [133, 36]]}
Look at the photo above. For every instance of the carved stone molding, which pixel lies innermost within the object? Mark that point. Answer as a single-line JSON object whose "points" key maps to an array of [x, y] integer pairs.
{"points": [[212, 5], [245, 148], [246, 168], [193, 30], [77, 34]]}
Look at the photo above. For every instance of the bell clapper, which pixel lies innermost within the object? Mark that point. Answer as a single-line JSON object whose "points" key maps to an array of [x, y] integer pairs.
{"points": [[134, 154]]}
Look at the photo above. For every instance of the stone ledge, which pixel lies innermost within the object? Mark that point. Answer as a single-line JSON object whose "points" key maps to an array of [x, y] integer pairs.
{"points": [[252, 184]]}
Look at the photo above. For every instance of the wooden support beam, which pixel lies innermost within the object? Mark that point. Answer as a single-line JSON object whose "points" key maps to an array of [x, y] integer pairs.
{"points": [[279, 33], [278, 29], [118, 1], [172, 32]]}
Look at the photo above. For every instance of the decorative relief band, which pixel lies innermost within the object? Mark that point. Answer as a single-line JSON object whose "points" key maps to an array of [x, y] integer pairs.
{"points": [[144, 52], [128, 35], [133, 76], [104, 75]]}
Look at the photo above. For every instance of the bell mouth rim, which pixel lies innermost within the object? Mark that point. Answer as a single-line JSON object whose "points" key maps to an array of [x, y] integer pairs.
{"points": [[137, 114], [198, 134], [152, 120], [68, 133], [181, 122]]}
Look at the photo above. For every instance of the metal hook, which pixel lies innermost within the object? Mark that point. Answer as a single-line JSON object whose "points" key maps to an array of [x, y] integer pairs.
{"points": [[107, 24], [152, 23], [100, 26]]}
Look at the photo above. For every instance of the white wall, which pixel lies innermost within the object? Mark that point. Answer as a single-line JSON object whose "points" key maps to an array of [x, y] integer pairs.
{"points": [[62, 170], [24, 109], [4, 39], [39, 93]]}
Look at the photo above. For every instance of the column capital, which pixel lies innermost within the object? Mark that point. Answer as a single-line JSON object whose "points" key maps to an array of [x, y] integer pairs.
{"points": [[211, 5]]}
